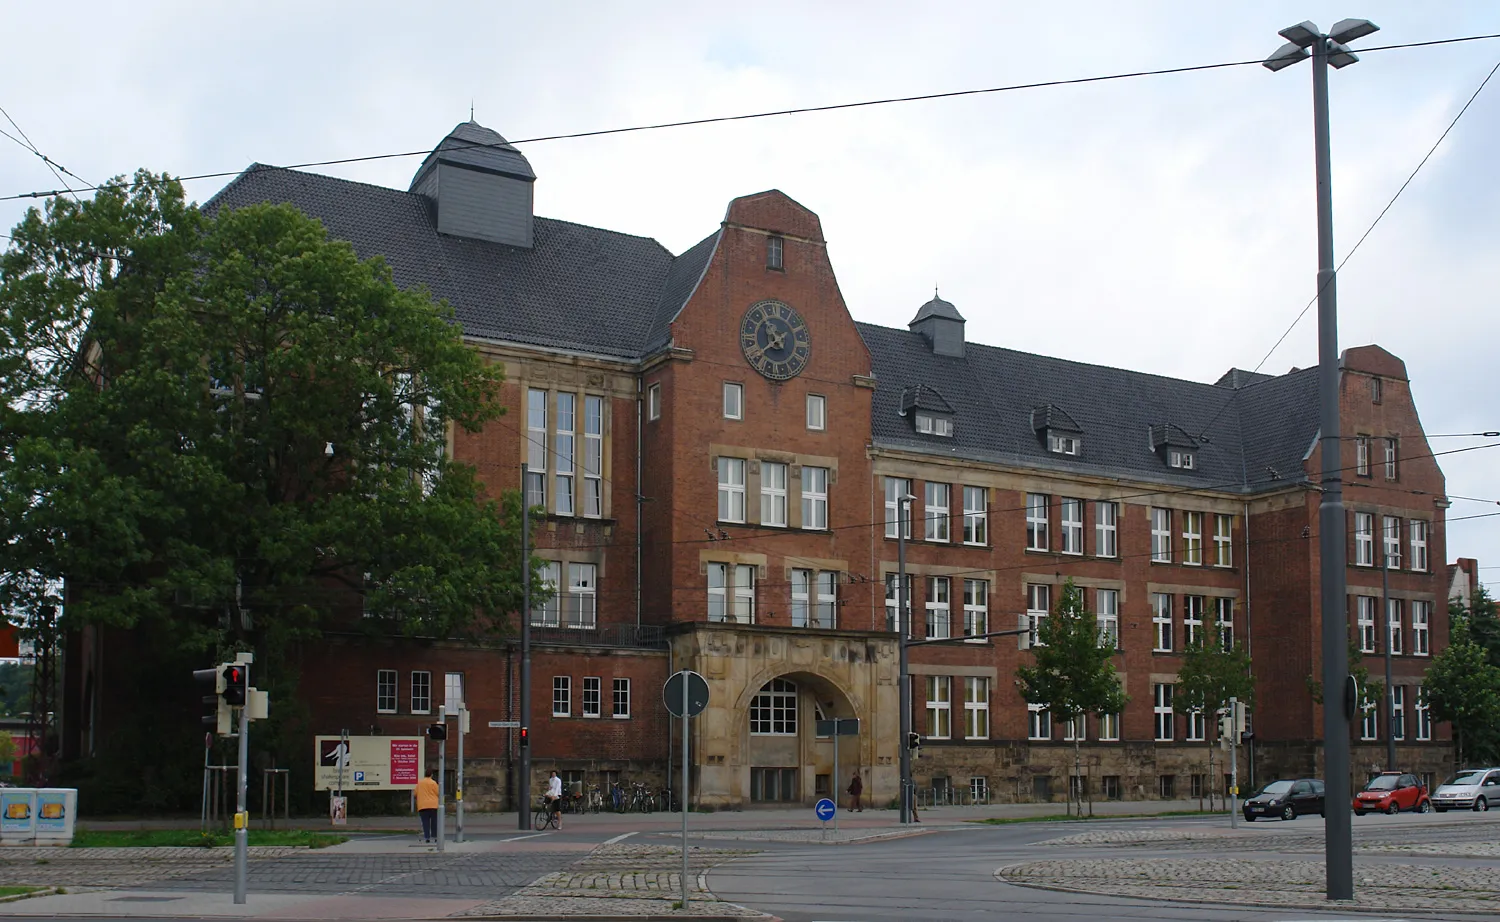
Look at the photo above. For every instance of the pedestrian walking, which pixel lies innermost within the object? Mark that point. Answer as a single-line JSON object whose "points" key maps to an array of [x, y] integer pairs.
{"points": [[554, 798], [427, 806], [856, 788]]}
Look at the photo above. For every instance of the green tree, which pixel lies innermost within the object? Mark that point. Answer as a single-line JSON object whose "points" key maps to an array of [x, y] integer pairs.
{"points": [[8, 751], [1463, 687], [1210, 675], [1482, 620], [228, 431], [1072, 672]]}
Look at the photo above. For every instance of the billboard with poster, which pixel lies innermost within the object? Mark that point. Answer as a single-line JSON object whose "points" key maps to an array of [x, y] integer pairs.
{"points": [[370, 763]]}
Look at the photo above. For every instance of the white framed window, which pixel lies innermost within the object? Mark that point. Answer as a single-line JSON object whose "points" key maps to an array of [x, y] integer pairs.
{"points": [[1161, 535], [1197, 726], [1176, 457], [1365, 618], [536, 448], [1398, 712], [1192, 538], [1192, 620], [1397, 629], [1106, 529], [1424, 715], [801, 597], [1038, 604], [564, 440], [976, 607], [1417, 531], [935, 511], [927, 424], [1421, 628], [621, 709], [731, 489], [1390, 459], [938, 607], [582, 610], [592, 693], [385, 691], [976, 708], [976, 515], [773, 494], [1390, 532], [825, 599], [593, 456], [815, 497], [1364, 539], [734, 400], [1108, 616], [1036, 522], [774, 248], [1038, 722], [653, 402], [817, 412], [1161, 622], [773, 710], [562, 696], [1064, 444], [893, 622], [1076, 728], [545, 613], [1070, 517], [1362, 455], [731, 593], [1162, 711], [453, 691], [939, 707], [1369, 722], [1224, 618], [896, 488], [1223, 540], [1109, 728], [421, 692], [979, 789]]}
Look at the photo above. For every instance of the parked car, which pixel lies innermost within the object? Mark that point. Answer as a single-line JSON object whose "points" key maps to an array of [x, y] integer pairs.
{"points": [[1287, 799], [1471, 789], [1392, 792]]}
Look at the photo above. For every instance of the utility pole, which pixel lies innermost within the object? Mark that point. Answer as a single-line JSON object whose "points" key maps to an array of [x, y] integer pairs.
{"points": [[442, 775], [523, 783], [903, 517], [1390, 693]]}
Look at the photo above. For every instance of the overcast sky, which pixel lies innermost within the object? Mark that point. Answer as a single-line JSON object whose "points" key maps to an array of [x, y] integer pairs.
{"points": [[1161, 223]]}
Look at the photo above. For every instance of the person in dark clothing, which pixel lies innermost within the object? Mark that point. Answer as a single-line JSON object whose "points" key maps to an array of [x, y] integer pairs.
{"points": [[856, 788]]}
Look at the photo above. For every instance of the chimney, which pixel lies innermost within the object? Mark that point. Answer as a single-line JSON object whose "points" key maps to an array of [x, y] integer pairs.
{"points": [[479, 185], [941, 325]]}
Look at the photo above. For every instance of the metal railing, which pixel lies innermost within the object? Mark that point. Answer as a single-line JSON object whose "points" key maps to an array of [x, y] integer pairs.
{"points": [[647, 636]]}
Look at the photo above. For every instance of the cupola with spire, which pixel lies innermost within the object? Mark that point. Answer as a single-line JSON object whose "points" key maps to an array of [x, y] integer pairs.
{"points": [[479, 185], [941, 325]]}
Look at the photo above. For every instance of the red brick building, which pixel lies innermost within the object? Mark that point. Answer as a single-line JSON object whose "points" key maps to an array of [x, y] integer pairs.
{"points": [[721, 452]]}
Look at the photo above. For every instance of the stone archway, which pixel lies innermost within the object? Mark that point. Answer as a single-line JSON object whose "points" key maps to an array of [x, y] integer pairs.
{"points": [[784, 760]]}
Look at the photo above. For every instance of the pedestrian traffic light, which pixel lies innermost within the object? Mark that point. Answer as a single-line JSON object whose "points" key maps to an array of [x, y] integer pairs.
{"points": [[216, 715], [437, 732], [525, 736], [913, 741], [236, 686]]}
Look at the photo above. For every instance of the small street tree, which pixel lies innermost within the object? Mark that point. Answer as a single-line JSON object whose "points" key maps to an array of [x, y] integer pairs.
{"points": [[1072, 672], [1211, 674], [1463, 687]]}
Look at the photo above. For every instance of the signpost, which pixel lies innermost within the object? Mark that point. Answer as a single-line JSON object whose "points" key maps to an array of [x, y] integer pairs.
{"points": [[841, 726], [826, 810], [685, 695]]}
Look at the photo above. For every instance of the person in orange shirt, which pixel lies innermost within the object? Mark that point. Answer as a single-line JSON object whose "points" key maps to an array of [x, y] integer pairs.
{"points": [[427, 806]]}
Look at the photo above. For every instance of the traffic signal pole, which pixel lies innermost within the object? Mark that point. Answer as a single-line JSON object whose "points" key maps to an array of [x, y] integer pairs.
{"points": [[523, 783], [241, 816]]}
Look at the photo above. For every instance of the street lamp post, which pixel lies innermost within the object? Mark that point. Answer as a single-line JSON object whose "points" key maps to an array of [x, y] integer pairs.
{"points": [[903, 627], [1329, 49], [1390, 694]]}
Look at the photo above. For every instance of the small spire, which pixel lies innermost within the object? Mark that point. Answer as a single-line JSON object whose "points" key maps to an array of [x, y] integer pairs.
{"points": [[471, 109]]}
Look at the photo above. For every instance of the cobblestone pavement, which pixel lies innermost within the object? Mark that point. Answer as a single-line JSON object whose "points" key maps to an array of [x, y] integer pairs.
{"points": [[119, 867], [626, 880], [804, 836], [1289, 883], [1419, 838]]}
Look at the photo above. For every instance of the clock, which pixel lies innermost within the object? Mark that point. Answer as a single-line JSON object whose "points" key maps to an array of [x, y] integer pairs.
{"points": [[774, 339]]}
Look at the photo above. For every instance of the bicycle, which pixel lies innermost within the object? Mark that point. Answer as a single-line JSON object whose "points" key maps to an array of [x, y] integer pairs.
{"points": [[596, 800], [545, 816]]}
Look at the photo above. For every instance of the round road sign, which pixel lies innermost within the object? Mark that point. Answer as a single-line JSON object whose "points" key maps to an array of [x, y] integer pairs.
{"points": [[697, 693], [824, 809]]}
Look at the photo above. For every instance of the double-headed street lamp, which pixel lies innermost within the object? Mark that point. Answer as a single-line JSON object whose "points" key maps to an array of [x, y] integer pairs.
{"points": [[1302, 41]]}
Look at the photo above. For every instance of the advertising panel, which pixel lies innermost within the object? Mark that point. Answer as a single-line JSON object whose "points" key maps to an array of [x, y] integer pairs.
{"points": [[370, 763]]}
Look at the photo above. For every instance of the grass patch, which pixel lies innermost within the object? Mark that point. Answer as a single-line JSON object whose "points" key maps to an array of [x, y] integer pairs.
{"points": [[1066, 818], [146, 838], [19, 891]]}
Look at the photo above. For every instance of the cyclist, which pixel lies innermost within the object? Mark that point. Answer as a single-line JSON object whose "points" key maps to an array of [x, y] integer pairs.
{"points": [[553, 798]]}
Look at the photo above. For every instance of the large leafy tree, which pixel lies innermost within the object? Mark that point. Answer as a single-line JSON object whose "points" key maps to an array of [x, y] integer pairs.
{"points": [[1482, 620], [1072, 672], [227, 430], [1211, 674], [1463, 687]]}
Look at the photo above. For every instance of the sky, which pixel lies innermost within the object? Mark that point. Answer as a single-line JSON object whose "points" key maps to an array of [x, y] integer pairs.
{"points": [[1161, 223]]}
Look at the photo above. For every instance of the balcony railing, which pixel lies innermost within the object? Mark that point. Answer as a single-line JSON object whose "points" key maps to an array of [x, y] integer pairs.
{"points": [[645, 637]]}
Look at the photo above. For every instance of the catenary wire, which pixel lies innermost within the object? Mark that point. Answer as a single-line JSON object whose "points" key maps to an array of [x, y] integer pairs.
{"points": [[51, 164]]}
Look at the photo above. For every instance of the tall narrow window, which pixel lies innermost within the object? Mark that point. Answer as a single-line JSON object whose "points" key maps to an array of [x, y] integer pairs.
{"points": [[976, 607], [1417, 530], [1038, 604], [562, 695], [1192, 620], [564, 440], [1366, 621], [935, 511], [1390, 528], [1424, 715], [939, 707], [1421, 628], [1397, 629], [1161, 535], [592, 696], [1036, 522], [653, 402], [1038, 722], [1223, 540], [742, 599], [1107, 529], [731, 489], [976, 515], [1398, 712], [1224, 618], [774, 247], [1390, 459], [896, 620], [1192, 538], [718, 591], [582, 612], [801, 597], [1369, 724], [1161, 621], [1071, 518], [593, 456], [734, 400], [421, 692], [1162, 710], [773, 494], [621, 698], [536, 448], [1108, 616], [1076, 728], [1375, 390], [976, 708], [453, 691], [896, 489], [815, 497], [817, 412], [545, 612], [825, 599], [938, 608], [1362, 455], [1197, 726], [1364, 539], [1109, 728], [385, 691]]}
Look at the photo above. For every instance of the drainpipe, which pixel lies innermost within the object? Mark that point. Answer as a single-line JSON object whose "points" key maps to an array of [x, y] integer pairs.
{"points": [[639, 499]]}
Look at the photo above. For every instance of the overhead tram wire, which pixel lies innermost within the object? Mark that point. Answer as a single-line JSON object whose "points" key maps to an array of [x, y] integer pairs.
{"points": [[802, 110], [51, 164]]}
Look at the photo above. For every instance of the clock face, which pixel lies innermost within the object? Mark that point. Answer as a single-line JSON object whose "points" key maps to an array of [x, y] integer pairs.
{"points": [[775, 340]]}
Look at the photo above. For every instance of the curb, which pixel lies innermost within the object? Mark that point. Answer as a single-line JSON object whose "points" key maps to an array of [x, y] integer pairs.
{"points": [[43, 891]]}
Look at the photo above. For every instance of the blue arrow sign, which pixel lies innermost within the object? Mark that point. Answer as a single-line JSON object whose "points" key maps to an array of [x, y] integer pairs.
{"points": [[824, 809]]}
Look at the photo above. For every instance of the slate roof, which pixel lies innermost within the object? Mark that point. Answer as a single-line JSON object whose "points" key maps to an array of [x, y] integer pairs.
{"points": [[937, 307], [1052, 417], [473, 145]]}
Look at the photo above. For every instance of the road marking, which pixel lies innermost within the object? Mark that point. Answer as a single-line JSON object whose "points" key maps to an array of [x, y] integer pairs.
{"points": [[619, 838], [519, 838]]}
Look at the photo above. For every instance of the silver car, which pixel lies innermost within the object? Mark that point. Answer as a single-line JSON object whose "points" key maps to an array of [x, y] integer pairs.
{"points": [[1470, 789]]}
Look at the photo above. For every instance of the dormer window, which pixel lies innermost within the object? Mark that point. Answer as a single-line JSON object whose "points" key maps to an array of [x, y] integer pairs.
{"points": [[1057, 430], [774, 245], [1064, 445], [1176, 457], [929, 412], [1174, 446], [929, 424]]}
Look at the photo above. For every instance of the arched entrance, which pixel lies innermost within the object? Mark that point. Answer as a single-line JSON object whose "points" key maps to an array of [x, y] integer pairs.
{"points": [[786, 761]]}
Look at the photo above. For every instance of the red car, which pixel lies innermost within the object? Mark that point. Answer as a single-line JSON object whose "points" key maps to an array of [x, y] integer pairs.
{"points": [[1392, 792]]}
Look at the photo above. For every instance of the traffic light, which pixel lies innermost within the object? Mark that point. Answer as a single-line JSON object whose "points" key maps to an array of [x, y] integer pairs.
{"points": [[525, 736], [216, 714], [236, 686], [914, 741], [437, 732]]}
